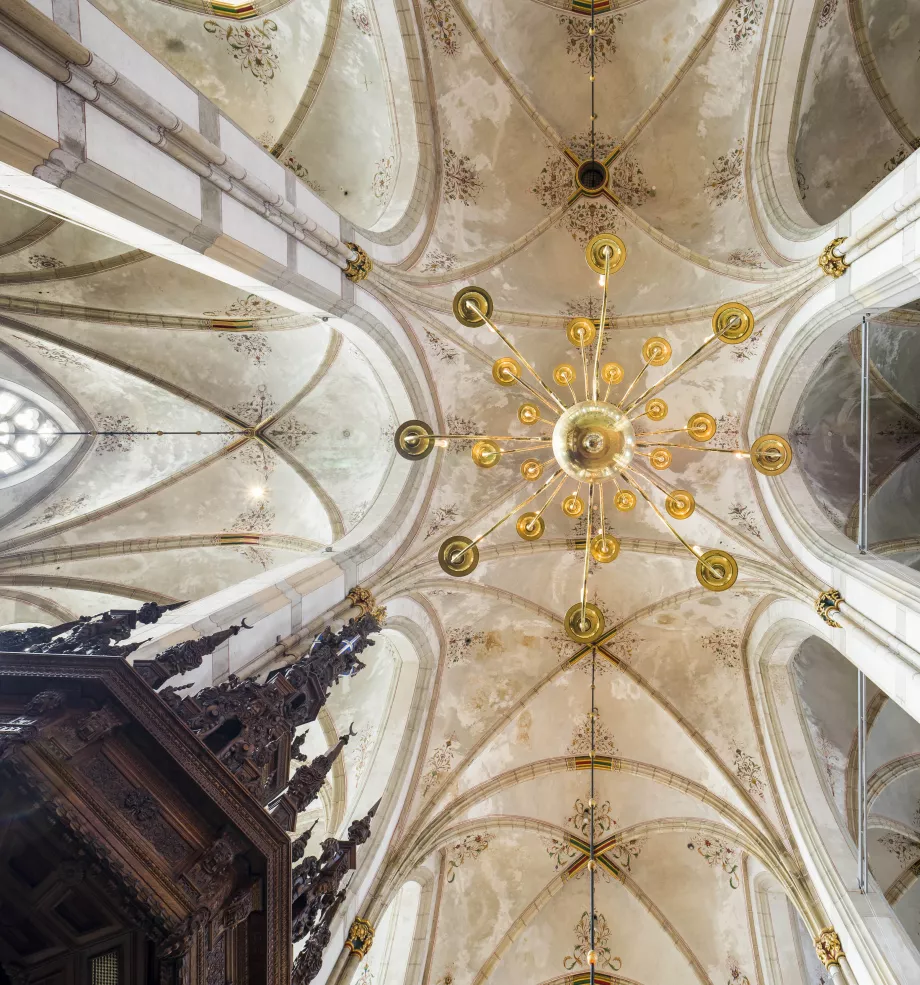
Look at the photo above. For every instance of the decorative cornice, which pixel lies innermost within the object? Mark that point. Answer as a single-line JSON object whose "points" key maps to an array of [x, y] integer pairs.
{"points": [[829, 602], [831, 262], [829, 948], [359, 266]]}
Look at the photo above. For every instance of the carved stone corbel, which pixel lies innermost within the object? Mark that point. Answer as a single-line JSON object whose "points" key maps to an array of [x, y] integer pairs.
{"points": [[831, 262], [363, 599], [829, 948], [360, 937], [828, 603], [359, 266]]}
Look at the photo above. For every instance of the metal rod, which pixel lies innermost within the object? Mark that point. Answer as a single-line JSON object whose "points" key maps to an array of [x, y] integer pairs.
{"points": [[553, 495], [740, 452], [412, 439], [705, 564], [458, 555], [654, 387], [592, 863], [600, 330], [96, 434], [862, 806], [472, 305], [584, 366], [862, 541], [539, 395], [626, 410], [584, 578]]}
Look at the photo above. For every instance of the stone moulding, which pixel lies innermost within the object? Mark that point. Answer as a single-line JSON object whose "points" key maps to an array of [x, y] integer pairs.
{"points": [[33, 37]]}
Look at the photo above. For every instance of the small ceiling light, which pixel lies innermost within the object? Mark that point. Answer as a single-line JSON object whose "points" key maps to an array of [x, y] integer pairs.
{"points": [[257, 492]]}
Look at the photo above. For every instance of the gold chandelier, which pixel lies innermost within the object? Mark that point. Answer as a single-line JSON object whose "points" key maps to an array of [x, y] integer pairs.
{"points": [[593, 441]]}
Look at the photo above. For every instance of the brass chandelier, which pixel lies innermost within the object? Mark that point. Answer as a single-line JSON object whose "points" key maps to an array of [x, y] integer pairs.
{"points": [[593, 440]]}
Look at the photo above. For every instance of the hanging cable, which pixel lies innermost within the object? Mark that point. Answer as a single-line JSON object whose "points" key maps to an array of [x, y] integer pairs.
{"points": [[593, 116], [592, 863]]}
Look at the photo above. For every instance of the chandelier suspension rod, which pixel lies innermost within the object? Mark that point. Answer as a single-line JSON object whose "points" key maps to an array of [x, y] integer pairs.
{"points": [[592, 864], [660, 516], [473, 306], [600, 331], [591, 34], [61, 434], [457, 556], [732, 322], [584, 579]]}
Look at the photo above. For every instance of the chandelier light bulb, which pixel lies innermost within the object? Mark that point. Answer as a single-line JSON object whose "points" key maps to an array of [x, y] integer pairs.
{"points": [[592, 957], [601, 280], [257, 492]]}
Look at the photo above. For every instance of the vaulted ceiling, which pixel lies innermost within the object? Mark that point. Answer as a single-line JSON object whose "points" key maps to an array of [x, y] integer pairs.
{"points": [[494, 114]]}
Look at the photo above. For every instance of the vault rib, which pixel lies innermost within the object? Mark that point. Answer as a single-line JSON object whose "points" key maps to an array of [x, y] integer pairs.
{"points": [[542, 124], [90, 585], [146, 545], [869, 64], [24, 305], [696, 737], [695, 52], [75, 271], [317, 75], [477, 267], [49, 607], [31, 236]]}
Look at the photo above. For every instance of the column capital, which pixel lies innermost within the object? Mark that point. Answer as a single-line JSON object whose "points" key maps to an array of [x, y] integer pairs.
{"points": [[360, 937], [829, 948]]}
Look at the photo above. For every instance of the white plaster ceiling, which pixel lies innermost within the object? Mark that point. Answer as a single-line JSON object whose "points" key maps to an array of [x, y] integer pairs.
{"points": [[506, 94]]}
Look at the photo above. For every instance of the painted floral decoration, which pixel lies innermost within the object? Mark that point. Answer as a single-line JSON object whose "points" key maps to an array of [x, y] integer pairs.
{"points": [[579, 956], [717, 854], [361, 17], [725, 180], [440, 349], [461, 183], [578, 41], [253, 345], [41, 261], [442, 28], [439, 763], [471, 847], [437, 261], [251, 46], [743, 23], [383, 176]]}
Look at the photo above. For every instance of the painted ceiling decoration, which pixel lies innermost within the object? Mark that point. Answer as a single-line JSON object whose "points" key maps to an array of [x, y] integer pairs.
{"points": [[206, 435]]}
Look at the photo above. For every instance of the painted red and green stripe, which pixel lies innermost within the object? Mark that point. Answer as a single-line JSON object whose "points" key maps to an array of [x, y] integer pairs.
{"points": [[584, 6]]}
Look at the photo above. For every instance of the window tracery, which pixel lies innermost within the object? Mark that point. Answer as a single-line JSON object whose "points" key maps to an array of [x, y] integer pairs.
{"points": [[27, 432]]}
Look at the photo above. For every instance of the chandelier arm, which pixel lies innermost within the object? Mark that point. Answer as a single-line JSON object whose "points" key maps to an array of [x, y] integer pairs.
{"points": [[660, 516], [412, 439], [457, 557], [472, 305], [600, 493], [600, 331], [584, 577], [540, 397], [514, 451], [645, 366], [740, 452], [552, 496], [644, 434], [663, 382], [584, 364]]}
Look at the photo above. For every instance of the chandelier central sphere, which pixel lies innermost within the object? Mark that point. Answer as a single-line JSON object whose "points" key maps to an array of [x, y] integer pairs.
{"points": [[593, 441]]}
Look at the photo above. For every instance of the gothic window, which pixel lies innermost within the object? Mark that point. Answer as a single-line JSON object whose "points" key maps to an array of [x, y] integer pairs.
{"points": [[27, 433]]}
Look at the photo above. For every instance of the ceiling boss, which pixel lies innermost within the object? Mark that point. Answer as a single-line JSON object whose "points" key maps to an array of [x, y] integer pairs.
{"points": [[594, 442]]}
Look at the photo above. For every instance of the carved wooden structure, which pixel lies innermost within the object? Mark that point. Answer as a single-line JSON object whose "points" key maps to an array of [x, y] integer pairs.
{"points": [[128, 853]]}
